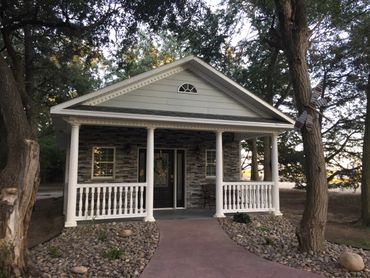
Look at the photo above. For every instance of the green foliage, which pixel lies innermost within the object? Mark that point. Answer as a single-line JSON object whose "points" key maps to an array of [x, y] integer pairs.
{"points": [[51, 160], [241, 218], [268, 241], [54, 251], [263, 228], [102, 235], [360, 243], [114, 253]]}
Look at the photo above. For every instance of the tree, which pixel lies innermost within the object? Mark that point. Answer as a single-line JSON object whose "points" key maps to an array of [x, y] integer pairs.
{"points": [[31, 33], [294, 33]]}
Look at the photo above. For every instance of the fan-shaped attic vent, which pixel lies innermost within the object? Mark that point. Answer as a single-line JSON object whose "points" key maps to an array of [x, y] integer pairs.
{"points": [[187, 88]]}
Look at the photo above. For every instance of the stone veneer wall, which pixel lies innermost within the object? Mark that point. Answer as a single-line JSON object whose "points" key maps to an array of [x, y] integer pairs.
{"points": [[127, 142]]}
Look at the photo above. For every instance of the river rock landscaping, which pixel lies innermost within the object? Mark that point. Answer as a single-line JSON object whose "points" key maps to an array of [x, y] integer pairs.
{"points": [[273, 238], [97, 250]]}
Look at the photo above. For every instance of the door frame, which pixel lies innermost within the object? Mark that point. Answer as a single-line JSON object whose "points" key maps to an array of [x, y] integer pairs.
{"points": [[174, 150]]}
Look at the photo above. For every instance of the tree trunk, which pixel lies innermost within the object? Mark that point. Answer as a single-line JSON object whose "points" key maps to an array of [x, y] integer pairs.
{"points": [[18, 180], [267, 171], [365, 184], [254, 164], [294, 33]]}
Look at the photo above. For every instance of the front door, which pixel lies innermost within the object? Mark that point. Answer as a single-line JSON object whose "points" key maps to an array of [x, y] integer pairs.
{"points": [[163, 176]]}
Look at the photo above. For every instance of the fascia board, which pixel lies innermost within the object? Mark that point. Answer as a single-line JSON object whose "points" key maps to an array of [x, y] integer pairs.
{"points": [[112, 115]]}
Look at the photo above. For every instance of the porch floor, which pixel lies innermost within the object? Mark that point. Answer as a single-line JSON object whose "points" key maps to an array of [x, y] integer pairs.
{"points": [[193, 213], [200, 248]]}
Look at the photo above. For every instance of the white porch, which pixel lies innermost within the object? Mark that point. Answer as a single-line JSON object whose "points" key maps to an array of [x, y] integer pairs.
{"points": [[90, 201]]}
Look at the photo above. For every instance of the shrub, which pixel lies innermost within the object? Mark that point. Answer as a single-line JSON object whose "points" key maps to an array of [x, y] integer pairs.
{"points": [[241, 218], [268, 241], [113, 254], [263, 228], [102, 235], [53, 251]]}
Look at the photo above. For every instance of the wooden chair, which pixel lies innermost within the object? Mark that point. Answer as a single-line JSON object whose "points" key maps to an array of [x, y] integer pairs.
{"points": [[209, 194]]}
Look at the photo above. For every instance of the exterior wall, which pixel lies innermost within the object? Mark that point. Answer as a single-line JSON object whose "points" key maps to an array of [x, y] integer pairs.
{"points": [[127, 142], [162, 95]]}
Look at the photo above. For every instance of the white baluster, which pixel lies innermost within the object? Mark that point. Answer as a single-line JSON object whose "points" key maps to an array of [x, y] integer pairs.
{"points": [[104, 201], [92, 213], [98, 202], [131, 198], [114, 200], [109, 192], [136, 198], [228, 197], [125, 210], [270, 195], [120, 189], [234, 196], [238, 197], [141, 198]]}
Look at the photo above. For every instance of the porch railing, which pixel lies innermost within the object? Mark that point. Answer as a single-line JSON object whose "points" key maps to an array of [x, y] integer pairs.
{"points": [[247, 196], [110, 200]]}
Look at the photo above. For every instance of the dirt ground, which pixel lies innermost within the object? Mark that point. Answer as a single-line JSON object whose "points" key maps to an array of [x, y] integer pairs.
{"points": [[343, 215]]}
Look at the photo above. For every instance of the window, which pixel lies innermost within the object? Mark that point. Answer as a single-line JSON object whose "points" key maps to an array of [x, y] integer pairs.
{"points": [[187, 88], [210, 163], [103, 162]]}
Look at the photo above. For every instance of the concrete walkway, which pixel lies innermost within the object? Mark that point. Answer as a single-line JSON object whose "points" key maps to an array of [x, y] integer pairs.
{"points": [[199, 248]]}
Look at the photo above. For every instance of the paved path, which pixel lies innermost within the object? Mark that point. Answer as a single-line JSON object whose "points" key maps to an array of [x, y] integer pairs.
{"points": [[199, 248]]}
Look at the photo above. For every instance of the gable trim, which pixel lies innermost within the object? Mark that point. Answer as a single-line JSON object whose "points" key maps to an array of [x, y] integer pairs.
{"points": [[125, 90]]}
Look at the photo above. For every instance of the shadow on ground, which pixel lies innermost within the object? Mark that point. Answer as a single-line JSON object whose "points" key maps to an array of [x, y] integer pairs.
{"points": [[47, 221]]}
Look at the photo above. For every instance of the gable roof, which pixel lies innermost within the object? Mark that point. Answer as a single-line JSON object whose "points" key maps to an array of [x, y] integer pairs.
{"points": [[81, 106]]}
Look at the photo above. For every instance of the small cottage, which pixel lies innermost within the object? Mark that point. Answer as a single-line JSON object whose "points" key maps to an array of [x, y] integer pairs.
{"points": [[158, 139]]}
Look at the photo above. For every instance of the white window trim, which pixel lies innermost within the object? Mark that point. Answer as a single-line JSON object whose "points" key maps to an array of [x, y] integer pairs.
{"points": [[114, 163], [190, 93], [206, 164]]}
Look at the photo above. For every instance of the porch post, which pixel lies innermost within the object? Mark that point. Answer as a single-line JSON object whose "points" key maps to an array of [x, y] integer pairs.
{"points": [[219, 175], [275, 175], [149, 175], [72, 177]]}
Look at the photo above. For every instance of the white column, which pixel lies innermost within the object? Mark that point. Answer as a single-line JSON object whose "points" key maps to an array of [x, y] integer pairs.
{"points": [[219, 175], [275, 175], [149, 175], [66, 175], [72, 177]]}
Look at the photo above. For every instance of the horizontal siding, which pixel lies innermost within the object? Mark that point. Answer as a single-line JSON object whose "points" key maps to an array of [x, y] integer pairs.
{"points": [[162, 95]]}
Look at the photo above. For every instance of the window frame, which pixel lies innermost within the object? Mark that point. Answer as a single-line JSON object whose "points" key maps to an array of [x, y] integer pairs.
{"points": [[93, 163], [207, 163], [184, 92]]}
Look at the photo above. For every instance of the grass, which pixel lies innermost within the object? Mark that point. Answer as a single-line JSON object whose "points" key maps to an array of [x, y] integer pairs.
{"points": [[263, 228], [113, 254], [54, 251], [268, 241], [103, 235], [360, 243]]}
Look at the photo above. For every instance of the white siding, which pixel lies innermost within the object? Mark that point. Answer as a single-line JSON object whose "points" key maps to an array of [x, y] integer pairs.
{"points": [[162, 95]]}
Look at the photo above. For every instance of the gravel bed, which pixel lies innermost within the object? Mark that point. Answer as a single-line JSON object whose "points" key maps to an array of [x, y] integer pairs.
{"points": [[273, 238], [99, 247]]}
